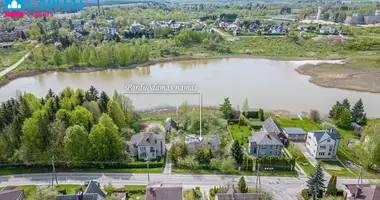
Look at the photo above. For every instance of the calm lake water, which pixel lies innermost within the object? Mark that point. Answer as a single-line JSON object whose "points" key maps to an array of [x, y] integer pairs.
{"points": [[267, 84]]}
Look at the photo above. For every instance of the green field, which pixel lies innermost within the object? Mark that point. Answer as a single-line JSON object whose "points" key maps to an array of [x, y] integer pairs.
{"points": [[337, 169], [8, 57], [306, 124], [28, 189], [301, 160], [240, 133]]}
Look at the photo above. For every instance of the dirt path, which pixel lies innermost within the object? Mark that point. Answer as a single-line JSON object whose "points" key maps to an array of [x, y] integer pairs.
{"points": [[14, 66]]}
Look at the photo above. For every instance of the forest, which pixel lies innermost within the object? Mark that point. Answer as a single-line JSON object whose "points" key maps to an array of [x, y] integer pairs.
{"points": [[76, 128]]}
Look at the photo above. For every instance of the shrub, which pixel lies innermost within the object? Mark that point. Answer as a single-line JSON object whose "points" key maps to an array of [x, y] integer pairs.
{"points": [[305, 194], [189, 162], [314, 115]]}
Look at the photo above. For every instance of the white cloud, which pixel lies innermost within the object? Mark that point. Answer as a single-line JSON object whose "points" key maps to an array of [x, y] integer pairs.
{"points": [[14, 5]]}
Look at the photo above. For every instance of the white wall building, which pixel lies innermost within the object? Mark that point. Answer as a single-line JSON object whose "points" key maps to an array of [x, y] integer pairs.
{"points": [[323, 144], [147, 145]]}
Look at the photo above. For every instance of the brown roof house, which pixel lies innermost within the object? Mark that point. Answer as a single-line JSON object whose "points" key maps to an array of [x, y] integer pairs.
{"points": [[147, 145], [12, 195], [231, 194], [164, 191], [361, 192], [271, 126]]}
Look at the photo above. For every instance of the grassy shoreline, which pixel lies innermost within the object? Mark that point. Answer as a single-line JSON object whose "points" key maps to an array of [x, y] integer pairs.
{"points": [[13, 75]]}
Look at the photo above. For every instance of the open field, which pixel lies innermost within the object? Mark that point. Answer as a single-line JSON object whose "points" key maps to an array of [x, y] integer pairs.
{"points": [[10, 56], [240, 133]]}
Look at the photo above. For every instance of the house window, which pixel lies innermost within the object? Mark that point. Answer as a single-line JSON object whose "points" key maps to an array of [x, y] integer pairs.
{"points": [[152, 149], [143, 154], [254, 150], [322, 147], [328, 140], [329, 154], [321, 153], [330, 148]]}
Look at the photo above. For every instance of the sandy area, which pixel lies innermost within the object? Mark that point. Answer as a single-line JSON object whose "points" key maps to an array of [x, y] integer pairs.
{"points": [[334, 74]]}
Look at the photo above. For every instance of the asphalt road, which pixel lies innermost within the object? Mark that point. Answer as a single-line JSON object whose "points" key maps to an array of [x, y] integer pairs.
{"points": [[283, 188]]}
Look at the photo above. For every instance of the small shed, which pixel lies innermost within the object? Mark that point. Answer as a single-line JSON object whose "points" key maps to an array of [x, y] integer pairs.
{"points": [[295, 134], [357, 128]]}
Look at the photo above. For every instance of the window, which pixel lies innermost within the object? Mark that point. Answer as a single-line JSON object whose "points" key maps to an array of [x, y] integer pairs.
{"points": [[330, 148], [321, 153], [328, 140], [322, 147], [152, 149], [329, 154]]}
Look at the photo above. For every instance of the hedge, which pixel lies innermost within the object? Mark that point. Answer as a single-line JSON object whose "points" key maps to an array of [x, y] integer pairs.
{"points": [[84, 165], [251, 114], [275, 163]]}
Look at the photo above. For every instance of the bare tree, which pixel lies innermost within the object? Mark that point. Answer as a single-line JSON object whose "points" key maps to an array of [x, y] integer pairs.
{"points": [[314, 115]]}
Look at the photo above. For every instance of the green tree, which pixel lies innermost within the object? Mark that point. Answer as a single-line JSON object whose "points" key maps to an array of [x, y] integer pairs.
{"points": [[76, 143], [363, 120], [92, 94], [261, 115], [106, 143], [93, 107], [56, 136], [242, 186], [78, 97], [204, 155], [116, 113], [245, 106], [367, 152], [336, 110], [85, 57], [43, 192], [315, 182], [103, 101], [331, 187], [226, 108], [346, 104], [344, 119], [81, 116], [237, 152], [357, 111], [64, 116], [57, 58]]}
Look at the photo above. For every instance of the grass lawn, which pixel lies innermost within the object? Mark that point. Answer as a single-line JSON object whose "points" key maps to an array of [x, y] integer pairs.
{"points": [[240, 133], [306, 124], [9, 171], [70, 188], [337, 169], [301, 160], [28, 189], [135, 187], [245, 173], [8, 57], [188, 194], [137, 196]]}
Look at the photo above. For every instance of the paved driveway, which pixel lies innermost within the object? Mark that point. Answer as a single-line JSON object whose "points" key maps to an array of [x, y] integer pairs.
{"points": [[306, 152]]}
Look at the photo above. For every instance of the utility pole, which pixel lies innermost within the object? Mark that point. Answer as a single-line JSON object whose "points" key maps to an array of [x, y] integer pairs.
{"points": [[360, 180], [258, 181], [54, 174], [147, 164]]}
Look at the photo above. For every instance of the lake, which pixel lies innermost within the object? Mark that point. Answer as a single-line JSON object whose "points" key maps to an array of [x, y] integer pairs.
{"points": [[268, 84]]}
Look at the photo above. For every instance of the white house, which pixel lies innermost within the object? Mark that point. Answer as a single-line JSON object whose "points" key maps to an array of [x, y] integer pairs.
{"points": [[147, 145], [323, 144]]}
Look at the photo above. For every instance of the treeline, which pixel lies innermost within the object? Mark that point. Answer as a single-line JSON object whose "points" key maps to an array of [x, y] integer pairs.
{"points": [[342, 114], [110, 55], [72, 126]]}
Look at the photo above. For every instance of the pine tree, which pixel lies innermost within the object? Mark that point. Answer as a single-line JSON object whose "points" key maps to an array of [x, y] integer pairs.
{"points": [[357, 111], [92, 94], [261, 114], [226, 108], [237, 152], [331, 187], [363, 120], [242, 186], [103, 101], [315, 183], [346, 104], [336, 110], [50, 94]]}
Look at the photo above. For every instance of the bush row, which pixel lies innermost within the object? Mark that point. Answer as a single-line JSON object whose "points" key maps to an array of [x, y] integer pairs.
{"points": [[84, 165], [275, 163]]}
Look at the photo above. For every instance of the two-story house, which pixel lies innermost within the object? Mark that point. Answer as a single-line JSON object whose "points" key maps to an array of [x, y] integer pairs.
{"points": [[323, 144], [147, 145], [264, 144]]}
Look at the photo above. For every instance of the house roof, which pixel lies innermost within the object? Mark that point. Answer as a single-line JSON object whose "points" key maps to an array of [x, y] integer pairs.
{"points": [[210, 139], [170, 123], [265, 138], [236, 115], [164, 191], [10, 194], [294, 131], [363, 192], [146, 138], [271, 126], [93, 188], [318, 134]]}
